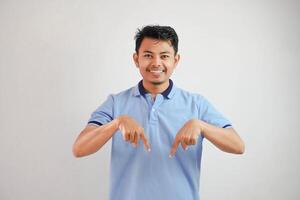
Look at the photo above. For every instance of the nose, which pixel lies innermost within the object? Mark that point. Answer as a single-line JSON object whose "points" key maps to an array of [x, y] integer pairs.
{"points": [[156, 62]]}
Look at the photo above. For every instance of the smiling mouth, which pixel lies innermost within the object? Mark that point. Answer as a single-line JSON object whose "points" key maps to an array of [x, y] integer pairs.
{"points": [[156, 71]]}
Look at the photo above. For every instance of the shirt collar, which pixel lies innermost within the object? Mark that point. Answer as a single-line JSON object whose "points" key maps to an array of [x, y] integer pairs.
{"points": [[167, 93]]}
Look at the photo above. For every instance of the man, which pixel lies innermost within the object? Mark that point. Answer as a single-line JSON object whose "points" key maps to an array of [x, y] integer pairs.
{"points": [[156, 128]]}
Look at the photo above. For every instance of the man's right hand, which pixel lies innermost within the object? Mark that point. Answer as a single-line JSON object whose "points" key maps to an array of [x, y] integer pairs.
{"points": [[131, 131]]}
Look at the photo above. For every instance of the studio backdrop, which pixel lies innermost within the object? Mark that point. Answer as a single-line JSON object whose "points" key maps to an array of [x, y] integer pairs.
{"points": [[59, 60]]}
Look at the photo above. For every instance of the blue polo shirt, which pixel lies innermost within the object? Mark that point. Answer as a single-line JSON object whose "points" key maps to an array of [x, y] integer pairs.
{"points": [[136, 174]]}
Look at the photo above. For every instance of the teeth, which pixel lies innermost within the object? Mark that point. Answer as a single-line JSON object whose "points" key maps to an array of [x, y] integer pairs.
{"points": [[155, 71]]}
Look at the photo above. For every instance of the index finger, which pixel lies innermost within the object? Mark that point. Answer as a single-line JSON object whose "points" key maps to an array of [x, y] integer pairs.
{"points": [[145, 141], [174, 147]]}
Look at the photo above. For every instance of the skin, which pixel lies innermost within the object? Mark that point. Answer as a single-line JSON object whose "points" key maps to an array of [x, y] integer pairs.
{"points": [[156, 61]]}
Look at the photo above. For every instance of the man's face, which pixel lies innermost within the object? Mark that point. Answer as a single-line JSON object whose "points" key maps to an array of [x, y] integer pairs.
{"points": [[156, 60]]}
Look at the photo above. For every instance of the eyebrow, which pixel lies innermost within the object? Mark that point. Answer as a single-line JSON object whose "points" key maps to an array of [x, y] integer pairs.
{"points": [[164, 52]]}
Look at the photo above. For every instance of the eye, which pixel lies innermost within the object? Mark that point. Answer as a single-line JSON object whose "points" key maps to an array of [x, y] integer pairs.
{"points": [[147, 55], [165, 56]]}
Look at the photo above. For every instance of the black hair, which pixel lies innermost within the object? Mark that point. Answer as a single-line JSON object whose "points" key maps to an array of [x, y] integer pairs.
{"points": [[156, 32]]}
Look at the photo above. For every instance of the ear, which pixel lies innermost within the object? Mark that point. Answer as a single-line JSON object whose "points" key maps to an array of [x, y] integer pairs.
{"points": [[136, 59], [176, 59]]}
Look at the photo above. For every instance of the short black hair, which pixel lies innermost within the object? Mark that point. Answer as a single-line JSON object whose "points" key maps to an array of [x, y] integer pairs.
{"points": [[156, 32]]}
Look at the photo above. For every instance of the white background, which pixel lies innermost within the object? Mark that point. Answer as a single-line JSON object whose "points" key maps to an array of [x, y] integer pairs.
{"points": [[60, 59]]}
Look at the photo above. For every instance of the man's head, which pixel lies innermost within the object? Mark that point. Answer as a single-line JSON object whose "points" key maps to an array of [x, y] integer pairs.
{"points": [[156, 53]]}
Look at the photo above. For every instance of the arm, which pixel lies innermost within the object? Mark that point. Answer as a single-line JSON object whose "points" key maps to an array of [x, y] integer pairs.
{"points": [[92, 138], [226, 139]]}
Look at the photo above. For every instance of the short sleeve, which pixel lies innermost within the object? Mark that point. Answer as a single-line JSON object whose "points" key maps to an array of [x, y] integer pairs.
{"points": [[209, 114], [104, 113]]}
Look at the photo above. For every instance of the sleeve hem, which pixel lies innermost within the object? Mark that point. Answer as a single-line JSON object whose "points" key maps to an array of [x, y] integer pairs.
{"points": [[227, 126], [95, 122]]}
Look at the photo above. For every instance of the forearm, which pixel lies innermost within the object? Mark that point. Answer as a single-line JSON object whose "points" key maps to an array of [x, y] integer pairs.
{"points": [[225, 139], [90, 141]]}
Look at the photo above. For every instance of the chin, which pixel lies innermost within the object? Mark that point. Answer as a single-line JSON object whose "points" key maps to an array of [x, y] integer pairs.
{"points": [[157, 82]]}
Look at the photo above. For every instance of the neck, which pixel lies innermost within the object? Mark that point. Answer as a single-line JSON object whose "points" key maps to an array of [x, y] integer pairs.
{"points": [[154, 89]]}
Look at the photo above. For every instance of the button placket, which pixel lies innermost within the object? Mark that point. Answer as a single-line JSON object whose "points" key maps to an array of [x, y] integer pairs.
{"points": [[153, 113]]}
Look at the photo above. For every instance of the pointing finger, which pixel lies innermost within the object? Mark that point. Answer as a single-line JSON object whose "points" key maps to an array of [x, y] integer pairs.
{"points": [[145, 141], [174, 147]]}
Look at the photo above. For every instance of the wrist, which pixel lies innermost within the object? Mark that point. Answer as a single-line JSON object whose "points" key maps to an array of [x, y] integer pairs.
{"points": [[116, 123], [202, 127]]}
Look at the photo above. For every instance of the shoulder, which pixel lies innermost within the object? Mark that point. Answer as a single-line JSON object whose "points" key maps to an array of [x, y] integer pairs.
{"points": [[189, 95], [124, 94]]}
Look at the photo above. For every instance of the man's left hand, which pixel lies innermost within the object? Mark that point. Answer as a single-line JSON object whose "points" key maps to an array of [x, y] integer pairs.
{"points": [[187, 135]]}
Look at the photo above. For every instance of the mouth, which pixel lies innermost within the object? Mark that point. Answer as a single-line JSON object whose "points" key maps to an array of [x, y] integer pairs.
{"points": [[156, 73], [156, 70]]}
